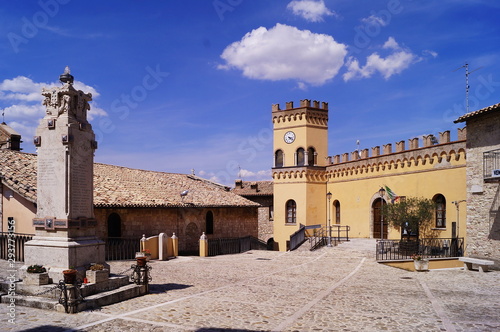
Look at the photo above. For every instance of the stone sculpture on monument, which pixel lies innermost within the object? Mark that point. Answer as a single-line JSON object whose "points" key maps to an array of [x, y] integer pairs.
{"points": [[65, 235]]}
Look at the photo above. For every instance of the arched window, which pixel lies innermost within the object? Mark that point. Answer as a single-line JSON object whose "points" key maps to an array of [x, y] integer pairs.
{"points": [[311, 157], [300, 157], [336, 205], [440, 202], [209, 219], [291, 212], [278, 158], [114, 225]]}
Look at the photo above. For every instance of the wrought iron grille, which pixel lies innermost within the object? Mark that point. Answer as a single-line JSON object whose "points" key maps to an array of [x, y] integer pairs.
{"points": [[491, 165], [388, 250], [119, 248], [13, 243], [226, 246]]}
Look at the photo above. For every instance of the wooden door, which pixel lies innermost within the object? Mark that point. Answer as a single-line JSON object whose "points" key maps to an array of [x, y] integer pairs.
{"points": [[377, 221]]}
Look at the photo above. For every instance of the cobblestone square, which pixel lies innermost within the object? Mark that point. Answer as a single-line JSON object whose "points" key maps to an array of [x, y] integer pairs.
{"points": [[332, 289]]}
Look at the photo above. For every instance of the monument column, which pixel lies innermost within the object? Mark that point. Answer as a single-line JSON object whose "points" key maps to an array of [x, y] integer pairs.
{"points": [[65, 227]]}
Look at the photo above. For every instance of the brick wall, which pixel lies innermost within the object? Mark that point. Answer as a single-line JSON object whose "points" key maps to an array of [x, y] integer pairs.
{"points": [[187, 223]]}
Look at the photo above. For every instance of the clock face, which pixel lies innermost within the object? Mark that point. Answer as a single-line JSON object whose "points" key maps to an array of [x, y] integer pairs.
{"points": [[289, 137]]}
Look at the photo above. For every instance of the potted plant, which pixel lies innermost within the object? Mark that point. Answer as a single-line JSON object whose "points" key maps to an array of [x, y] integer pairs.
{"points": [[420, 263], [141, 260], [144, 253], [36, 275], [97, 273], [70, 275]]}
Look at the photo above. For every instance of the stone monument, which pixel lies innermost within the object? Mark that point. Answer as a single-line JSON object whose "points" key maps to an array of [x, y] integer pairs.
{"points": [[65, 227]]}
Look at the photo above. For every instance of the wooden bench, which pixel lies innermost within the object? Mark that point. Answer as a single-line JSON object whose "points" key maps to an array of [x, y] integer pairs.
{"points": [[481, 263]]}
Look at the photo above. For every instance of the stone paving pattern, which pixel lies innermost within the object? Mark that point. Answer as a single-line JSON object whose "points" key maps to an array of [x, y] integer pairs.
{"points": [[332, 289]]}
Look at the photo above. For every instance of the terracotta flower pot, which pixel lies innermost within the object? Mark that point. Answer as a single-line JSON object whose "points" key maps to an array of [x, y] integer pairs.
{"points": [[69, 276], [141, 261]]}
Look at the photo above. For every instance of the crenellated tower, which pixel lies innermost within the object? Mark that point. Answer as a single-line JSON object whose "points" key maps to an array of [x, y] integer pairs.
{"points": [[300, 159]]}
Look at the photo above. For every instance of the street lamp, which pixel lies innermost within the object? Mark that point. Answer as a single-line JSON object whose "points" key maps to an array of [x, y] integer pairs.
{"points": [[457, 203], [329, 197], [381, 192]]}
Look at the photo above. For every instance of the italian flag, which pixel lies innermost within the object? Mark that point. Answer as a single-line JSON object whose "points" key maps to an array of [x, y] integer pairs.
{"points": [[392, 195]]}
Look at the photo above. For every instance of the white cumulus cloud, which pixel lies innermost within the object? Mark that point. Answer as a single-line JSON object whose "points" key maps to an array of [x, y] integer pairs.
{"points": [[285, 52], [399, 60], [310, 10], [21, 103]]}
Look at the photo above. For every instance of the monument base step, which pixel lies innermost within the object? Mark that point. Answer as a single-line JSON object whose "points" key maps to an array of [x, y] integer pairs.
{"points": [[117, 289]]}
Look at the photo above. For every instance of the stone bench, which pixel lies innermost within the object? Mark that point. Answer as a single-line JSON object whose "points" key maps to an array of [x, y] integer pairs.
{"points": [[481, 263]]}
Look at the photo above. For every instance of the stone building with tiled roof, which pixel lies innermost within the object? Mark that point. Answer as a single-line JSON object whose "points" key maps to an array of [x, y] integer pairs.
{"points": [[260, 192], [483, 182], [9, 138], [131, 202]]}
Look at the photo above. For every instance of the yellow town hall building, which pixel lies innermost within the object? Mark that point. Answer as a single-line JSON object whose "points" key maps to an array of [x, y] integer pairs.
{"points": [[303, 175]]}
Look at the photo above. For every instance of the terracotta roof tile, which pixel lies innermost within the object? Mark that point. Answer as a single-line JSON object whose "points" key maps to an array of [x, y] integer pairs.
{"points": [[482, 111], [116, 186], [253, 188]]}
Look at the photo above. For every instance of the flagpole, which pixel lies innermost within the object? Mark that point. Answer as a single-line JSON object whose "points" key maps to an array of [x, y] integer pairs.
{"points": [[381, 192]]}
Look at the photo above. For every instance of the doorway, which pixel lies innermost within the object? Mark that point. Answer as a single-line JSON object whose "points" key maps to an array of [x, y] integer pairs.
{"points": [[377, 207]]}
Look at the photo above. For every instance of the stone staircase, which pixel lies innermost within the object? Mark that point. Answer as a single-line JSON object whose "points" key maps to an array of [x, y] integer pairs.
{"points": [[51, 297]]}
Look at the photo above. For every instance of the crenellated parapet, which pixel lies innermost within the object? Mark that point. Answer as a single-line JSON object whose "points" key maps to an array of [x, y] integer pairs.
{"points": [[314, 112], [387, 149], [433, 154], [453, 155]]}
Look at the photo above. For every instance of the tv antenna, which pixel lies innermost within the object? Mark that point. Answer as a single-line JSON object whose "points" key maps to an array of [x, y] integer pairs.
{"points": [[3, 115], [467, 86]]}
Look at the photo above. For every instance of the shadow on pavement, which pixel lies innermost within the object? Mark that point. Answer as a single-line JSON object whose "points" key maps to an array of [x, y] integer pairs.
{"points": [[48, 328], [162, 288], [214, 329]]}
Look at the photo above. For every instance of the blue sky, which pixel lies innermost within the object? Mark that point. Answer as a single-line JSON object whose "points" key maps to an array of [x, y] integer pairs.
{"points": [[189, 84]]}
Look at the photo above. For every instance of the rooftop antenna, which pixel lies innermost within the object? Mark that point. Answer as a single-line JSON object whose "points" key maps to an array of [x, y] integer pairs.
{"points": [[357, 148], [467, 86], [239, 172], [3, 116]]}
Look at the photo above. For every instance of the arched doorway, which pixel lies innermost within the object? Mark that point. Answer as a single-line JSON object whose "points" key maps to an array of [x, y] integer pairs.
{"points": [[114, 225], [209, 223], [379, 231]]}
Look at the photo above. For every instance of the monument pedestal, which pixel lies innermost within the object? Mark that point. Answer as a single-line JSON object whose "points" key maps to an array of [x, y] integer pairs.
{"points": [[57, 254]]}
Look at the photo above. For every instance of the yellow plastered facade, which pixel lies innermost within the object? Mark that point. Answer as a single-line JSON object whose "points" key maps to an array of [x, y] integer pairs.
{"points": [[354, 179]]}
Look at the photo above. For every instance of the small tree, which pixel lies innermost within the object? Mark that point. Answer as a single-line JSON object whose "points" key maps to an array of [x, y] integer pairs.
{"points": [[413, 214]]}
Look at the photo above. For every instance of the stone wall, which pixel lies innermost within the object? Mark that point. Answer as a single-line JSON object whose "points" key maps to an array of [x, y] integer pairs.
{"points": [[187, 223], [264, 219], [483, 218]]}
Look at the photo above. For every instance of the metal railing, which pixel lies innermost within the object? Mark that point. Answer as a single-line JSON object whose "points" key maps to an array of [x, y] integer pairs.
{"points": [[227, 246], [13, 243], [388, 250], [119, 248], [341, 233], [319, 239], [297, 238]]}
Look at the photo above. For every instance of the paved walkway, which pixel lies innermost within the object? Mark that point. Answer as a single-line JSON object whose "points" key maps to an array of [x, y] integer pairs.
{"points": [[332, 289]]}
